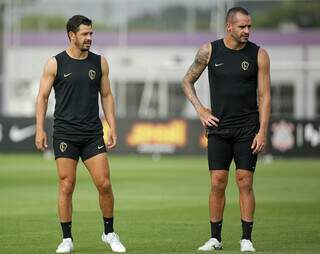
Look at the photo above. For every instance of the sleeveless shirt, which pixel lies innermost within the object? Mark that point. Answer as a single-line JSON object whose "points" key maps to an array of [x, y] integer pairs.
{"points": [[233, 80], [76, 86]]}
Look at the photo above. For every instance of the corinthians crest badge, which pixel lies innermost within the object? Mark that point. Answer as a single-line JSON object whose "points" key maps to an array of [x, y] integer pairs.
{"points": [[244, 65], [92, 74], [63, 146]]}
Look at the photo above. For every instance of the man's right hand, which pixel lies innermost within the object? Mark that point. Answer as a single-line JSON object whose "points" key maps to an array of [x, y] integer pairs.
{"points": [[41, 140], [206, 118]]}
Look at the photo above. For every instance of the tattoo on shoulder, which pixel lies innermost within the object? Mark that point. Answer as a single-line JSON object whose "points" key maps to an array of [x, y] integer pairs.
{"points": [[202, 56], [198, 65]]}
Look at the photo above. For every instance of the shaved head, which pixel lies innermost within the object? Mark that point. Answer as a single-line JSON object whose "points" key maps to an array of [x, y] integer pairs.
{"points": [[233, 11]]}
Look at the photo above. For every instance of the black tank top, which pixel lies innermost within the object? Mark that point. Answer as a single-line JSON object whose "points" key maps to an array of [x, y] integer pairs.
{"points": [[233, 83], [76, 87]]}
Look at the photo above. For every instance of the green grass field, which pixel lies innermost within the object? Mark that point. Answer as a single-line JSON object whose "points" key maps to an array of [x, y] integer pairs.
{"points": [[161, 206]]}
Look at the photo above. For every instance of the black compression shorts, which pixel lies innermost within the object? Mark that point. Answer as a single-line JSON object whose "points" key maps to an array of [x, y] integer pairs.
{"points": [[232, 143]]}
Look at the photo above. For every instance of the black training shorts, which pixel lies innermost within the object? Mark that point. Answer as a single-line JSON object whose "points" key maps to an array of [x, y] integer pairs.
{"points": [[85, 148], [232, 143]]}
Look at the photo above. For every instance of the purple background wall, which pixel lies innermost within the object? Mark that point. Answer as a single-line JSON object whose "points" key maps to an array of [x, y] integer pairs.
{"points": [[266, 37]]}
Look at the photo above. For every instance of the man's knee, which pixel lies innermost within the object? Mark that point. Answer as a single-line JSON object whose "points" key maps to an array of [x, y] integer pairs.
{"points": [[245, 183], [105, 187], [67, 186], [219, 184]]}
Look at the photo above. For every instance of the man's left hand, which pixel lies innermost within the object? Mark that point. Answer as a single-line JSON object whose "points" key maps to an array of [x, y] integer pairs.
{"points": [[259, 143], [112, 139]]}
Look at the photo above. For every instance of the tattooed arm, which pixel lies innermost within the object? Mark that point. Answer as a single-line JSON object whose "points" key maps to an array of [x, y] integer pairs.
{"points": [[199, 64]]}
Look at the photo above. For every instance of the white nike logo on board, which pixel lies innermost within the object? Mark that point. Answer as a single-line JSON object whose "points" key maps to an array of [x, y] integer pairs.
{"points": [[219, 64], [18, 134], [66, 75]]}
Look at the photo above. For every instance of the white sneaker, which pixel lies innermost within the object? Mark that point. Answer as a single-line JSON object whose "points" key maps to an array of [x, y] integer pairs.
{"points": [[212, 244], [66, 246], [246, 245], [113, 240]]}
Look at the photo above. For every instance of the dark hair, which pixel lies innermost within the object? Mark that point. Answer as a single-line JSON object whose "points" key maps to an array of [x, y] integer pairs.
{"points": [[75, 21], [233, 11]]}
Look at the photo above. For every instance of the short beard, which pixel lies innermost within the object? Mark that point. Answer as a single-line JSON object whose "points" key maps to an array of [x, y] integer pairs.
{"points": [[238, 40], [82, 49], [245, 40]]}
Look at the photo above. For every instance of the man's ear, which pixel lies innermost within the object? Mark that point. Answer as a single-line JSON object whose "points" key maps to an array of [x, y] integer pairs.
{"points": [[229, 26], [71, 35]]}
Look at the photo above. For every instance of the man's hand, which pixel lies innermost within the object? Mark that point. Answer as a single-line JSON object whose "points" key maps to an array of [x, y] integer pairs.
{"points": [[259, 143], [206, 118], [41, 140], [112, 139]]}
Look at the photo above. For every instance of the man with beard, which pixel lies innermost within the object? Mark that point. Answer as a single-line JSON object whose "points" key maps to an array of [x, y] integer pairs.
{"points": [[239, 77], [78, 76]]}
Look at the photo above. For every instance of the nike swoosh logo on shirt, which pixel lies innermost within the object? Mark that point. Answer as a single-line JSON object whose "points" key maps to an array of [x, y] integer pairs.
{"points": [[66, 75], [99, 147], [219, 64]]}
